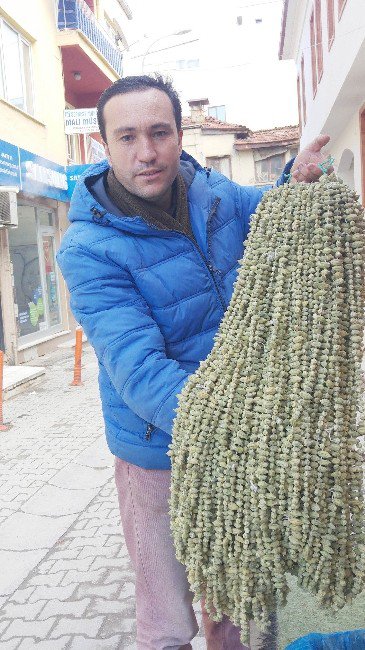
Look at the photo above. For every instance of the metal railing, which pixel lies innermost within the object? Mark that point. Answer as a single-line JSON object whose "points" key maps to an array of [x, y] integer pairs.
{"points": [[76, 14]]}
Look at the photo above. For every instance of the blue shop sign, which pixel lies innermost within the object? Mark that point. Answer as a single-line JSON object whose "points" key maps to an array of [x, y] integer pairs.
{"points": [[42, 177], [74, 172], [9, 164], [36, 175]]}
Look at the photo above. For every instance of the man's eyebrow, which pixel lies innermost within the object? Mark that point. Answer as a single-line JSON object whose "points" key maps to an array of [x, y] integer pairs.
{"points": [[131, 129], [165, 125], [123, 129]]}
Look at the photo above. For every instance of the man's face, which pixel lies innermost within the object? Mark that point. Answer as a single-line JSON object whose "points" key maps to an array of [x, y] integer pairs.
{"points": [[143, 145]]}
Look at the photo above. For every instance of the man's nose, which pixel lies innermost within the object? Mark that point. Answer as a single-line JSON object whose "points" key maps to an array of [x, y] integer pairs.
{"points": [[146, 151]]}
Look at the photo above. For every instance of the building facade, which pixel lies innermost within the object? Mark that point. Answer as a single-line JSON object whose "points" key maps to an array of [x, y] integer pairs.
{"points": [[54, 54], [247, 157], [326, 38]]}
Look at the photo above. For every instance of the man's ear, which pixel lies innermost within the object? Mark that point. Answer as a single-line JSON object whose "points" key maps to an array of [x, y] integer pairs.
{"points": [[107, 153]]}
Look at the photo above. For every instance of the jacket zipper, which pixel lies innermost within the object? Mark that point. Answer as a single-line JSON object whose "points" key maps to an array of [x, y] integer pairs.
{"points": [[150, 428], [209, 266]]}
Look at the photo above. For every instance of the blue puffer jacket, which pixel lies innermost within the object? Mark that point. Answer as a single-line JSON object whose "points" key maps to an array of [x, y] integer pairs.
{"points": [[150, 301]]}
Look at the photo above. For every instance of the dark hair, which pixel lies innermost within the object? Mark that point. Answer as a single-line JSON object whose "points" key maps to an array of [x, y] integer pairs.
{"points": [[137, 84]]}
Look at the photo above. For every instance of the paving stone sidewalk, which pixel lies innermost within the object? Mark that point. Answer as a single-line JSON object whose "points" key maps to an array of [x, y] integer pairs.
{"points": [[65, 577]]}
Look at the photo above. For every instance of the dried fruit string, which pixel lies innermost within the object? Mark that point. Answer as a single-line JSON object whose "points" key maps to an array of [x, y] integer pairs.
{"points": [[266, 466]]}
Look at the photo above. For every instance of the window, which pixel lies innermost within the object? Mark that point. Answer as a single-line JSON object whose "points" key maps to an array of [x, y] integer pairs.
{"points": [[187, 64], [32, 251], [221, 164], [218, 111], [319, 44], [331, 22], [293, 152], [15, 69], [299, 104], [269, 169], [316, 46], [313, 54]]}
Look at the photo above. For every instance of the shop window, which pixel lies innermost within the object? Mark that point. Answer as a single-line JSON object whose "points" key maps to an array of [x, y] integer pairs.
{"points": [[218, 111], [32, 251], [15, 69], [269, 169], [221, 164]]}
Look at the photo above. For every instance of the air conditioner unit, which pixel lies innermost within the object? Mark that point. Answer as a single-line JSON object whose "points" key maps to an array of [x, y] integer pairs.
{"points": [[8, 206]]}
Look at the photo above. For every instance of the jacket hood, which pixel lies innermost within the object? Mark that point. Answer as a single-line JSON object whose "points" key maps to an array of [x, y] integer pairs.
{"points": [[90, 201]]}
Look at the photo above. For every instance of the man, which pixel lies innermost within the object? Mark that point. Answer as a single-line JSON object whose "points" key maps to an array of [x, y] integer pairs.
{"points": [[150, 260]]}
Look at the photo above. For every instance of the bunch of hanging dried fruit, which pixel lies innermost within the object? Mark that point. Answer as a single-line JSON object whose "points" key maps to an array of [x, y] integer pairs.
{"points": [[267, 475]]}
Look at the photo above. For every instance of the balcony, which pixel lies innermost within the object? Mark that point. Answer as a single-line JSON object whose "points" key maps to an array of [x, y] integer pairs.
{"points": [[77, 15]]}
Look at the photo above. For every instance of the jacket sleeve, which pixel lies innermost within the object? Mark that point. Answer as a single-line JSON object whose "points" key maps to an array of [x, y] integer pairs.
{"points": [[124, 335]]}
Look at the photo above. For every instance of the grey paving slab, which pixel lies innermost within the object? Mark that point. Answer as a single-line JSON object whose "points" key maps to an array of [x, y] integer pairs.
{"points": [[76, 476], [15, 566], [22, 531], [58, 644], [113, 643], [51, 500], [96, 455]]}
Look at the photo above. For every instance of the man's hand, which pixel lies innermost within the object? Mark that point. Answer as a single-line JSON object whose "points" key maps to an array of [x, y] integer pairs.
{"points": [[306, 167]]}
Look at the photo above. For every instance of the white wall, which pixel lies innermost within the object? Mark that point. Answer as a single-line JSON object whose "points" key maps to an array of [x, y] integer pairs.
{"points": [[338, 64], [341, 91], [341, 148]]}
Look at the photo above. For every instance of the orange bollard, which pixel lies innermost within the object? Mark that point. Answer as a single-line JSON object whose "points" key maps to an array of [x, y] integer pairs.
{"points": [[78, 349], [3, 427]]}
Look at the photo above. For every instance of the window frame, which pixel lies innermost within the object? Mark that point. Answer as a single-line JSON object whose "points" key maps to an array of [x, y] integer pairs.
{"points": [[319, 38], [211, 160], [271, 176], [304, 101], [216, 107], [312, 29], [4, 94], [331, 29]]}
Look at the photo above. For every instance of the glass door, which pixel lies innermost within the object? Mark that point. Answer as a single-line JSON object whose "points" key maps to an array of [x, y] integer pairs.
{"points": [[32, 250], [48, 262]]}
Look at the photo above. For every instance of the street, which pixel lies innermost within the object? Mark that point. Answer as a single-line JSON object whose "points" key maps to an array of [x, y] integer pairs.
{"points": [[66, 581]]}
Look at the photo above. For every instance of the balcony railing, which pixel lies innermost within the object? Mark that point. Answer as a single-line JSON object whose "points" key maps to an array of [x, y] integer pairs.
{"points": [[76, 14]]}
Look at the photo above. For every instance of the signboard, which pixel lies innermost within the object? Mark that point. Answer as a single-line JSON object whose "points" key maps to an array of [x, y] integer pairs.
{"points": [[81, 120], [38, 176], [9, 164], [42, 177], [73, 174]]}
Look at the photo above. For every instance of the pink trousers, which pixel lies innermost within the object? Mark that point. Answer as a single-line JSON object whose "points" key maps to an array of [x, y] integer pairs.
{"points": [[165, 615]]}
